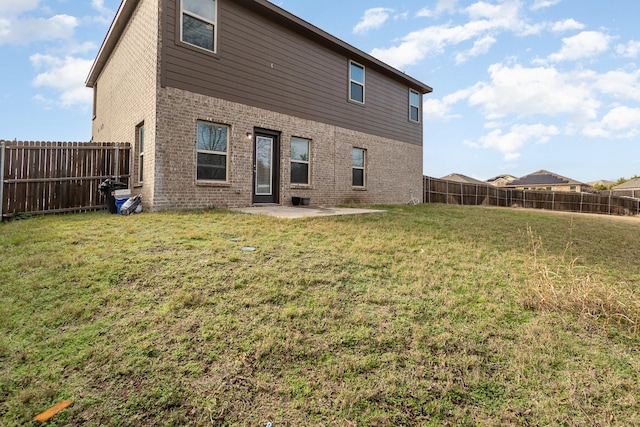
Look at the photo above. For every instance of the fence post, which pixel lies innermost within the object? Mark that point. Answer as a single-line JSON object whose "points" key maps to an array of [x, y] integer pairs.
{"points": [[447, 186], [553, 201], [461, 195], [116, 170], [581, 200], [610, 203], [2, 148]]}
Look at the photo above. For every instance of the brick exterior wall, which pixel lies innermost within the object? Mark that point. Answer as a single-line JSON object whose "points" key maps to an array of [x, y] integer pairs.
{"points": [[126, 93], [129, 93], [392, 166]]}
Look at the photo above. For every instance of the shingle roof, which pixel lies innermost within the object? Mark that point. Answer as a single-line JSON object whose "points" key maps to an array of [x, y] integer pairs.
{"points": [[506, 177], [629, 185], [544, 177], [458, 177]]}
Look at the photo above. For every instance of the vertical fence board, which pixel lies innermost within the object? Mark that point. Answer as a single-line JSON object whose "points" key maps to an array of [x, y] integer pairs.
{"points": [[54, 177]]}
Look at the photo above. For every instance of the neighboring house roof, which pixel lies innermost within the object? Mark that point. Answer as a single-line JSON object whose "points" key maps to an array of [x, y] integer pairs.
{"points": [[458, 177], [543, 177], [632, 184], [505, 177], [267, 9], [604, 182]]}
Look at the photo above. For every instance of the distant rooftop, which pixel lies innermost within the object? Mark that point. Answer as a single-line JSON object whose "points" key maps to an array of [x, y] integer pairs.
{"points": [[544, 177], [632, 184], [458, 177], [506, 177]]}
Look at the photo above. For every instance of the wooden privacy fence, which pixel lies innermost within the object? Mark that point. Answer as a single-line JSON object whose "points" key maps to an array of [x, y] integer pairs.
{"points": [[57, 177], [451, 192]]}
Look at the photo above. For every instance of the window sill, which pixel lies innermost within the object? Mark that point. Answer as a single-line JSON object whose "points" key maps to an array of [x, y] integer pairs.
{"points": [[354, 102], [359, 188], [201, 50], [301, 186], [213, 184]]}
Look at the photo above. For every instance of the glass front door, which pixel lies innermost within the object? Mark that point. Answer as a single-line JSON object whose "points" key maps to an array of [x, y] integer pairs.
{"points": [[266, 166]]}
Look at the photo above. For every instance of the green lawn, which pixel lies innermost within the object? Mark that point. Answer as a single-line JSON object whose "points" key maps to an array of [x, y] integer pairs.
{"points": [[426, 315]]}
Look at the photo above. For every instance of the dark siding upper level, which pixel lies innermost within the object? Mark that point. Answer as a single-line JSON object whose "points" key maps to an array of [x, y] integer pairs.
{"points": [[265, 64]]}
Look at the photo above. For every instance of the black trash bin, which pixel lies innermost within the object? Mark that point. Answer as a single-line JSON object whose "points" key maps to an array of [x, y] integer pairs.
{"points": [[107, 187]]}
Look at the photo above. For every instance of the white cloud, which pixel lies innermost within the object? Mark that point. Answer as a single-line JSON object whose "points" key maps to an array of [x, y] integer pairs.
{"points": [[373, 19], [24, 31], [629, 50], [99, 6], [486, 20], [442, 6], [480, 47], [584, 45], [566, 25], [15, 8], [510, 143], [619, 84], [65, 76], [425, 13], [542, 4], [534, 91], [435, 109], [621, 122]]}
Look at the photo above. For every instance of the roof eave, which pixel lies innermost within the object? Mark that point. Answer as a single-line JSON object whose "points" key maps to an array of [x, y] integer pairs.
{"points": [[111, 39], [336, 43], [128, 6]]}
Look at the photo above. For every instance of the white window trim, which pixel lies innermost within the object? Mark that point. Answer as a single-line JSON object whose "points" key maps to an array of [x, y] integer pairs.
{"points": [[363, 167], [411, 91], [363, 83], [307, 162], [219, 153], [214, 23]]}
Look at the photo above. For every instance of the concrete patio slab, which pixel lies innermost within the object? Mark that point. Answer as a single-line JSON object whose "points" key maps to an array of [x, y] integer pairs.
{"points": [[292, 212]]}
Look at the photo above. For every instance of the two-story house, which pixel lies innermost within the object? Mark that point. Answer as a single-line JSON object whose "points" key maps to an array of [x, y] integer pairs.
{"points": [[238, 102]]}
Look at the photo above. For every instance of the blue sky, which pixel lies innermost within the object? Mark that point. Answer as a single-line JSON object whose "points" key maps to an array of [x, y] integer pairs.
{"points": [[519, 85]]}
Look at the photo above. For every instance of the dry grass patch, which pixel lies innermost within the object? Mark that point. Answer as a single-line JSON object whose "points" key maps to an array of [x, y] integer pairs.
{"points": [[563, 286]]}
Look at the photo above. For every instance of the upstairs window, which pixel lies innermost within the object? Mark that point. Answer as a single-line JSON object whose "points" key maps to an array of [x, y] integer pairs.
{"points": [[199, 23], [300, 161], [356, 82], [414, 106], [212, 152], [358, 159]]}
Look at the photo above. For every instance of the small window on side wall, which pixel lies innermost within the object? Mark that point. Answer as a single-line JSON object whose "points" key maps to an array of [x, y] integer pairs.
{"points": [[356, 82], [140, 150], [359, 167], [95, 99], [212, 152], [198, 23], [300, 161], [414, 106]]}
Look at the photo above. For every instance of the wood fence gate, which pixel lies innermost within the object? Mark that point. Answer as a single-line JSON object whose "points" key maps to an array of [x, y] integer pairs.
{"points": [[58, 177]]}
